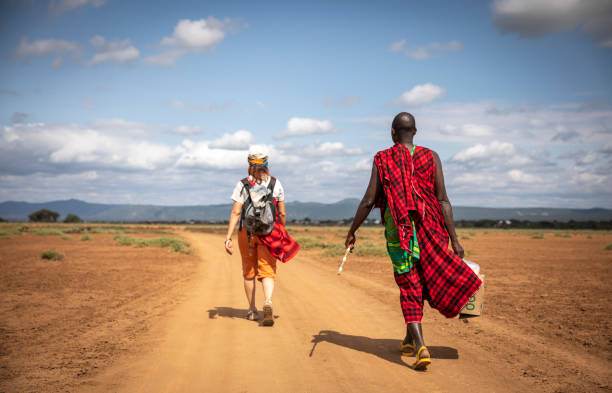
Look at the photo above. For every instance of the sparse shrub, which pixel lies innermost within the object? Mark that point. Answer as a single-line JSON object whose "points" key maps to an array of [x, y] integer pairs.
{"points": [[52, 255], [114, 231], [48, 232], [72, 218], [537, 236], [84, 238], [369, 249], [609, 246], [1, 219], [74, 230], [64, 237], [563, 234], [44, 215], [465, 238], [589, 237], [176, 245], [8, 232], [309, 243]]}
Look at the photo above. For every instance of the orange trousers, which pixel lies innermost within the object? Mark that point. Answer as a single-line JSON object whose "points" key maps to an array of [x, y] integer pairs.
{"points": [[260, 263]]}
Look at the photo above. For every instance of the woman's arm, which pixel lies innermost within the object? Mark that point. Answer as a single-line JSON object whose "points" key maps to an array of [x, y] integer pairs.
{"points": [[282, 214], [367, 203], [234, 217], [447, 209]]}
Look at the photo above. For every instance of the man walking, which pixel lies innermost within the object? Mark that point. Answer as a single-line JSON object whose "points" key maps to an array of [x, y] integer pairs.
{"points": [[407, 184]]}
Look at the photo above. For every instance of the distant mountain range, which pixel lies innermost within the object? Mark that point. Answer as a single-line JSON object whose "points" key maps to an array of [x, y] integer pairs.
{"points": [[19, 211]]}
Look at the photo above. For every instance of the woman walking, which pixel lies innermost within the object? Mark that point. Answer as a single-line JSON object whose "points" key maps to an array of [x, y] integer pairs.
{"points": [[259, 252]]}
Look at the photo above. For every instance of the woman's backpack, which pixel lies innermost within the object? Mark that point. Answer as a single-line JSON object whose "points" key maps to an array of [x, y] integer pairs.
{"points": [[259, 211]]}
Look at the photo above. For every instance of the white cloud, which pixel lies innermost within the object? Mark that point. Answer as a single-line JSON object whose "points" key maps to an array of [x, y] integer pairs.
{"points": [[114, 51], [44, 146], [426, 51], [214, 107], [299, 126], [535, 18], [239, 140], [480, 151], [469, 130], [397, 46], [187, 130], [420, 95], [63, 6], [520, 176], [47, 47], [327, 149], [193, 36]]}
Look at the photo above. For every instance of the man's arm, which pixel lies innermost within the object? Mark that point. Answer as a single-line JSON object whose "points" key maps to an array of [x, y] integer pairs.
{"points": [[447, 210], [365, 206]]}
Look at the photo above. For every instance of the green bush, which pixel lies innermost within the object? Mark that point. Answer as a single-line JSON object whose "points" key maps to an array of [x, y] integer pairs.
{"points": [[84, 238], [52, 255], [609, 246], [72, 218], [44, 215], [537, 236]]}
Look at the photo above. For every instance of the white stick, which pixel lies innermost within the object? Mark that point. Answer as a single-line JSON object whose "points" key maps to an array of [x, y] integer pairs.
{"points": [[344, 260]]}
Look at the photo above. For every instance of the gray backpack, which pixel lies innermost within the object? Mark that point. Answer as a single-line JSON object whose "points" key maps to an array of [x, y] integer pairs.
{"points": [[259, 211]]}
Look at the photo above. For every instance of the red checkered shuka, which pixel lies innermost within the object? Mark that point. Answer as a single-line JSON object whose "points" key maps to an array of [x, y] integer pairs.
{"points": [[440, 276], [280, 244]]}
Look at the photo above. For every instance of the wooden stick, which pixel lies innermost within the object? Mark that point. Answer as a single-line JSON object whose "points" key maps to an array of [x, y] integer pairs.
{"points": [[348, 250]]}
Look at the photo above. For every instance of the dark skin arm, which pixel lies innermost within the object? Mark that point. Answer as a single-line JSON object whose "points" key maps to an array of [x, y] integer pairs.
{"points": [[375, 188], [365, 206], [447, 210]]}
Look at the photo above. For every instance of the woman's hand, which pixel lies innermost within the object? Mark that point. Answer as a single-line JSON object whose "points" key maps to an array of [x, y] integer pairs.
{"points": [[350, 240], [457, 248], [229, 247]]}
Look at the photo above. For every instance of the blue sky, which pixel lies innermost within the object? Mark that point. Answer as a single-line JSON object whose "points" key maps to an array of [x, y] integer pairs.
{"points": [[157, 102]]}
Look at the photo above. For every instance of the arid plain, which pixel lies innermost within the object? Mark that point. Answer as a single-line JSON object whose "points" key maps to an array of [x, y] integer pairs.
{"points": [[159, 308]]}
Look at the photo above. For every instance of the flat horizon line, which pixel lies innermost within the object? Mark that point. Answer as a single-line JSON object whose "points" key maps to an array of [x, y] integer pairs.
{"points": [[322, 203]]}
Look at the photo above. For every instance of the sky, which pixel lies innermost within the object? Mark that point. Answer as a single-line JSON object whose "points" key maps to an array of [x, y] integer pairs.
{"points": [[151, 102]]}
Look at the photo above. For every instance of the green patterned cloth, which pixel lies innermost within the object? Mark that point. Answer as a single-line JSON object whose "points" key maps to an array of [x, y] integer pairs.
{"points": [[402, 260]]}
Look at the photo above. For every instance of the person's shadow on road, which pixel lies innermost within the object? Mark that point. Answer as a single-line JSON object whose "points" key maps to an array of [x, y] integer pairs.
{"points": [[384, 348], [231, 312]]}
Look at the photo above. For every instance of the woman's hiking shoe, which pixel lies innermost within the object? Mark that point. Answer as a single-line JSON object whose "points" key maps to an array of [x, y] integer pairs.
{"points": [[268, 314], [251, 315]]}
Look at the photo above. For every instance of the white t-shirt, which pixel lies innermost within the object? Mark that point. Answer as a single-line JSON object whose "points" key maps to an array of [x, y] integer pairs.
{"points": [[240, 192]]}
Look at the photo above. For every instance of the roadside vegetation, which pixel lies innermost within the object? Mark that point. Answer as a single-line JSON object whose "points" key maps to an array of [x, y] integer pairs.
{"points": [[177, 245], [52, 255]]}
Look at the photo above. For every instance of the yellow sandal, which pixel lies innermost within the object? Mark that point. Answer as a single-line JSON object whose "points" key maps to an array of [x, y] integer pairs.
{"points": [[407, 349], [421, 363]]}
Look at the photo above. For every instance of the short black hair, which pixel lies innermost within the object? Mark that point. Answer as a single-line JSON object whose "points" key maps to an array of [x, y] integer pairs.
{"points": [[404, 121]]}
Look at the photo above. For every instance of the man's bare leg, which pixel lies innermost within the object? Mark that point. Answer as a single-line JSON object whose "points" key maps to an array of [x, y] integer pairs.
{"points": [[415, 331]]}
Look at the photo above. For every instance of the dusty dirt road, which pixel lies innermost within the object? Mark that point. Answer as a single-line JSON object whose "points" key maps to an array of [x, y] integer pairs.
{"points": [[331, 335]]}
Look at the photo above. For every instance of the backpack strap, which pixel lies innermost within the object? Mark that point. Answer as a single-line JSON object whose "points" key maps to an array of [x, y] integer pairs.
{"points": [[246, 185], [271, 186]]}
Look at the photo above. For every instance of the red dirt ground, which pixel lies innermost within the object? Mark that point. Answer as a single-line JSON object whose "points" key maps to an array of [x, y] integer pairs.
{"points": [[106, 315]]}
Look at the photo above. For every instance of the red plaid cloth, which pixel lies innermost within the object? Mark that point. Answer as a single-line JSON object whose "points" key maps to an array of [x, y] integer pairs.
{"points": [[440, 276], [280, 244], [395, 170]]}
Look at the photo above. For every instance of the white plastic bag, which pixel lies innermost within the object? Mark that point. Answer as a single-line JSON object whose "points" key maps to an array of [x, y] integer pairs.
{"points": [[473, 265]]}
